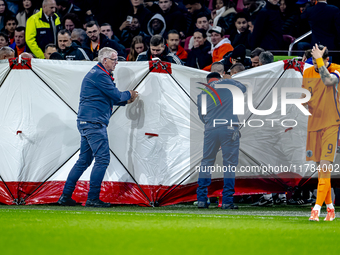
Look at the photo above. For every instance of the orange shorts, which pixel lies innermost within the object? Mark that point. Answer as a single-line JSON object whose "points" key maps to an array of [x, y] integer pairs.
{"points": [[322, 144]]}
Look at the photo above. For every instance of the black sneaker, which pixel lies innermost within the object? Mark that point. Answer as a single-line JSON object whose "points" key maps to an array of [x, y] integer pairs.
{"points": [[66, 201], [202, 205], [263, 202], [96, 203], [229, 207]]}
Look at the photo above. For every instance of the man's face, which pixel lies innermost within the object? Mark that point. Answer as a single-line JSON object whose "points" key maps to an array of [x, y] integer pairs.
{"points": [[198, 39], [255, 61], [64, 41], [165, 5], [241, 24], [69, 25], [193, 7], [110, 63], [215, 38], [50, 8], [93, 33], [11, 26], [19, 38], [316, 65], [173, 41], [202, 23], [49, 51], [157, 51], [156, 25], [106, 30], [134, 24], [250, 5], [139, 47]]}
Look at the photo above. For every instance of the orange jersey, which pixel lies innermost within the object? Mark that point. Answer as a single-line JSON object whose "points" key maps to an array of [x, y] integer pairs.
{"points": [[324, 103]]}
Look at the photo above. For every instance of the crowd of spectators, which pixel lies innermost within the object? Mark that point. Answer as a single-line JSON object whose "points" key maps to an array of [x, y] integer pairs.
{"points": [[195, 33]]}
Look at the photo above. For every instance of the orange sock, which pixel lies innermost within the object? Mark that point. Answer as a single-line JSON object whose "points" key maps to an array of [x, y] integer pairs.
{"points": [[324, 187], [328, 199]]}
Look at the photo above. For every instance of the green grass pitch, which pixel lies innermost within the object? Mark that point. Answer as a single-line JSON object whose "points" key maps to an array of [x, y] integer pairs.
{"points": [[180, 229]]}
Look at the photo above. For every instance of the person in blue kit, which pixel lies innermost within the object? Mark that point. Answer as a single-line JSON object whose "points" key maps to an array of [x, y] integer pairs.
{"points": [[218, 135], [97, 96]]}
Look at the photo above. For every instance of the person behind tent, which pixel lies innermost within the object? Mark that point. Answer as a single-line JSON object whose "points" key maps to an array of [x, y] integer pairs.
{"points": [[97, 96], [322, 81], [173, 41], [159, 50], [224, 136], [199, 56], [220, 45]]}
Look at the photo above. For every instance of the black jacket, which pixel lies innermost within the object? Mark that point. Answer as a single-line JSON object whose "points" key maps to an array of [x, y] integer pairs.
{"points": [[104, 42], [324, 21], [175, 19], [72, 53], [199, 57], [267, 32], [237, 38], [166, 56]]}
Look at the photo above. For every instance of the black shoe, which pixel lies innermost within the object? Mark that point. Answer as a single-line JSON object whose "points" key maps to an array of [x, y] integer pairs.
{"points": [[202, 205], [96, 203], [229, 207], [66, 200]]}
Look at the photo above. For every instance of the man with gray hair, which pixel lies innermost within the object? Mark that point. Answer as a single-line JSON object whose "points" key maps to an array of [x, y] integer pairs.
{"points": [[266, 57], [218, 67], [6, 53], [97, 96], [78, 36]]}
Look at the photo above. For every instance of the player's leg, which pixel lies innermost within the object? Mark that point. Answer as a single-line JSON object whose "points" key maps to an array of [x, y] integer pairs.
{"points": [[210, 149]]}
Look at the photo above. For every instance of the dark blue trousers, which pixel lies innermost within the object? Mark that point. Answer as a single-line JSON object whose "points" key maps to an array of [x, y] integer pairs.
{"points": [[213, 140], [94, 144]]}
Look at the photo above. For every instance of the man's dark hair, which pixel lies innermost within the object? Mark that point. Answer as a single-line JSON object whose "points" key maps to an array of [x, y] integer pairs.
{"points": [[106, 24], [92, 23], [326, 53], [185, 2], [173, 31], [308, 53], [213, 75], [50, 45], [64, 31], [241, 15], [256, 52], [238, 67], [9, 18], [266, 57], [73, 17], [20, 29], [156, 40], [201, 15], [202, 31]]}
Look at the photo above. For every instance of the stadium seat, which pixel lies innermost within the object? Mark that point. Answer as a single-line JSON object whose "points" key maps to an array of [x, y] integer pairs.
{"points": [[239, 6], [288, 39], [186, 44]]}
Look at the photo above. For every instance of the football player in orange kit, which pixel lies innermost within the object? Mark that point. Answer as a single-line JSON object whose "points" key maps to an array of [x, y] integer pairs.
{"points": [[323, 124]]}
